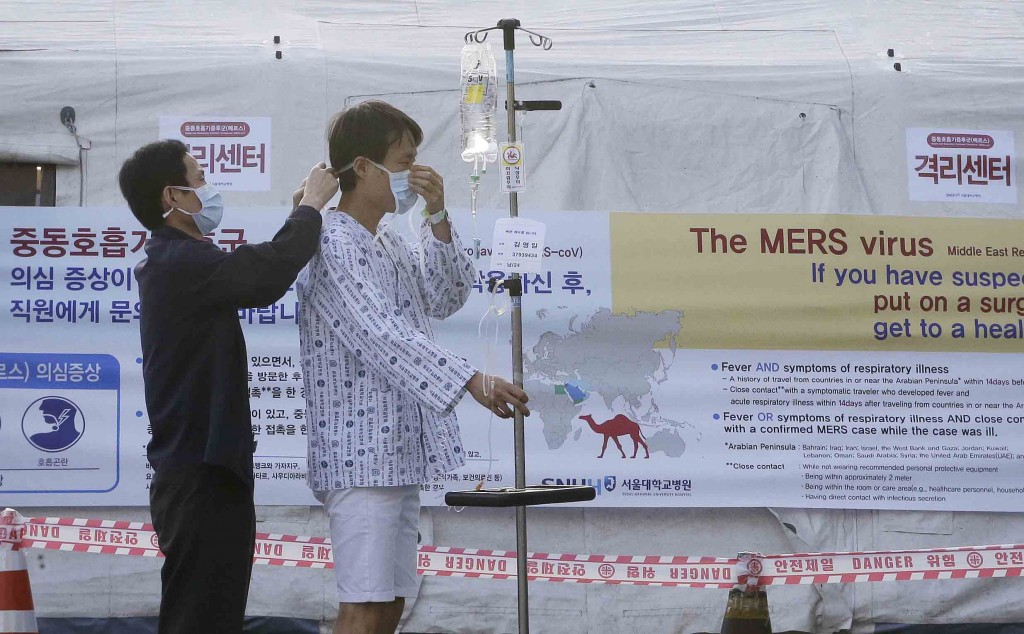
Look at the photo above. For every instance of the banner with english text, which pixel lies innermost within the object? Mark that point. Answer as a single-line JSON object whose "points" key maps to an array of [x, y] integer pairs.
{"points": [[829, 361]]}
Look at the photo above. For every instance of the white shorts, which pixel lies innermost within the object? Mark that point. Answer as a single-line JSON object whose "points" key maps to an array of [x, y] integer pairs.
{"points": [[374, 536]]}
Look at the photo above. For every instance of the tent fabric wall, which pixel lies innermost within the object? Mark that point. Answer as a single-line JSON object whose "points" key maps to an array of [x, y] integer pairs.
{"points": [[745, 106]]}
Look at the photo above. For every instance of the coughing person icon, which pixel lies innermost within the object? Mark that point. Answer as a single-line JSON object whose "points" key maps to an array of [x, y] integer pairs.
{"points": [[53, 424]]}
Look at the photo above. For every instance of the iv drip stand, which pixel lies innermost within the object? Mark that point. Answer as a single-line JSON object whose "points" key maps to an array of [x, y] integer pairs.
{"points": [[521, 496], [517, 343]]}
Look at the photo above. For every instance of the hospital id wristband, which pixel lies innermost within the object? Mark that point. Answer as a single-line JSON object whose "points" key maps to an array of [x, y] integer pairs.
{"points": [[438, 217]]}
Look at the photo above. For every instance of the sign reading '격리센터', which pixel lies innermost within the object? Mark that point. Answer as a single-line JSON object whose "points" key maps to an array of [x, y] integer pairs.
{"points": [[234, 152], [946, 165]]}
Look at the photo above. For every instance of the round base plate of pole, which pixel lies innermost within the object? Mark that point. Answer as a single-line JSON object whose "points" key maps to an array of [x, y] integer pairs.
{"points": [[529, 496]]}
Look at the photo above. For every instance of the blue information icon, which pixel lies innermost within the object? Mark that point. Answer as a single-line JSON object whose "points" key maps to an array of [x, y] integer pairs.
{"points": [[53, 424]]}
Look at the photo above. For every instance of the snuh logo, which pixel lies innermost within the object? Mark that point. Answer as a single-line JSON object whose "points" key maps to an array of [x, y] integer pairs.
{"points": [[605, 483]]}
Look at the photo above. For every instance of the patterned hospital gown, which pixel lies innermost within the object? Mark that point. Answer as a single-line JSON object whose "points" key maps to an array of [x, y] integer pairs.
{"points": [[380, 393]]}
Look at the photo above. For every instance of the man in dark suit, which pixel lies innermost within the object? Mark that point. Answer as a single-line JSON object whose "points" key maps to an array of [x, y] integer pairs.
{"points": [[195, 371]]}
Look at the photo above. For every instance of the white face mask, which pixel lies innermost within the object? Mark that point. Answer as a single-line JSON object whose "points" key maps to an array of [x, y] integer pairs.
{"points": [[405, 198], [209, 216]]}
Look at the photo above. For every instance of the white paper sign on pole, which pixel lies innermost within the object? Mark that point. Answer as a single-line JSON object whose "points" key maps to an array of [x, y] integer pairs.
{"points": [[945, 165], [518, 246], [233, 151]]}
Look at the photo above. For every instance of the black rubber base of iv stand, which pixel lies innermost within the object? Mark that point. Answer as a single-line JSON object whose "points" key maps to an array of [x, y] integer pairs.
{"points": [[530, 496]]}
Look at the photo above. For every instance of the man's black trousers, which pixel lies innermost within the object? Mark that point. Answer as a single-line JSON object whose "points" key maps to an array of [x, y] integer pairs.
{"points": [[206, 523]]}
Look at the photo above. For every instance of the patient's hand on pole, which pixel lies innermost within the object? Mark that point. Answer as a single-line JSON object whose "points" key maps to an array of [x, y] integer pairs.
{"points": [[498, 395]]}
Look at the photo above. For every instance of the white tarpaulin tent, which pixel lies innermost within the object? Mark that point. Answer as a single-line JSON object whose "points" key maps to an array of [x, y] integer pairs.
{"points": [[790, 106]]}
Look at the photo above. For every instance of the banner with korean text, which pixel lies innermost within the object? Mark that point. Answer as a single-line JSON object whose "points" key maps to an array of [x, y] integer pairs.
{"points": [[670, 359]]}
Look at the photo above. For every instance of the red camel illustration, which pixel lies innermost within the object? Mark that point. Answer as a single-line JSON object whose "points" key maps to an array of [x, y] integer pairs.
{"points": [[615, 427]]}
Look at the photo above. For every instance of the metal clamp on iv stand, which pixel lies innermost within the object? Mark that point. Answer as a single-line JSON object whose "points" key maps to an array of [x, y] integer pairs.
{"points": [[521, 495]]}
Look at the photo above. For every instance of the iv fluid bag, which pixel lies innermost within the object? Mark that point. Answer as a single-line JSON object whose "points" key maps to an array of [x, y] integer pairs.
{"points": [[479, 99]]}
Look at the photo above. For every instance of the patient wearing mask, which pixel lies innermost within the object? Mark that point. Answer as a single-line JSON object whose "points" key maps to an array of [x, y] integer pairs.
{"points": [[380, 392]]}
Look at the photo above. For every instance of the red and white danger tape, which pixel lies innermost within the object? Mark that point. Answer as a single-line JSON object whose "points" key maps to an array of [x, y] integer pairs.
{"points": [[967, 562], [139, 540], [693, 572]]}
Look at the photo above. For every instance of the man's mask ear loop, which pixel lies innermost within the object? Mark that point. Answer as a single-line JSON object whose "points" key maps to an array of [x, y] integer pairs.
{"points": [[173, 208], [383, 225]]}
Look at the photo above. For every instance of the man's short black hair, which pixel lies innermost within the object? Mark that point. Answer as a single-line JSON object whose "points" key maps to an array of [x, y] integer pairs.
{"points": [[144, 176], [367, 129]]}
